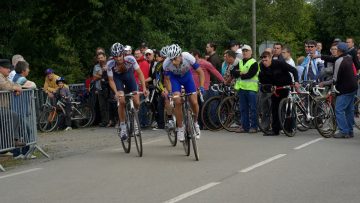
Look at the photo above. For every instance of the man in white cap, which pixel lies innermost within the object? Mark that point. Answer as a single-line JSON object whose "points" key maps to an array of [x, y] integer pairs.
{"points": [[15, 59]]}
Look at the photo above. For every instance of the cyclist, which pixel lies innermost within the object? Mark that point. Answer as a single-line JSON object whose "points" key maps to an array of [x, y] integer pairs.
{"points": [[120, 71], [177, 72]]}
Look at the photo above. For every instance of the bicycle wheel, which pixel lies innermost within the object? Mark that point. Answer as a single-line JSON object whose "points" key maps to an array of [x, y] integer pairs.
{"points": [[264, 114], [325, 121], [209, 114], [357, 113], [49, 120], [83, 116], [287, 117], [186, 143], [191, 135], [137, 135], [146, 113], [170, 132], [226, 113], [126, 144]]}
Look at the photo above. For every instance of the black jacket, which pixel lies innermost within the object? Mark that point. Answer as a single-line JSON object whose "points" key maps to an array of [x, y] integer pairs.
{"points": [[344, 75], [278, 74]]}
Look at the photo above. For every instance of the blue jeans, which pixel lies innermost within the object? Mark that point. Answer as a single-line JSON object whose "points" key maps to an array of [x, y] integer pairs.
{"points": [[248, 109], [344, 111]]}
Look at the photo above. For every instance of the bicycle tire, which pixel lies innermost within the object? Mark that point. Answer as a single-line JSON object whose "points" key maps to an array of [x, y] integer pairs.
{"points": [[126, 144], [186, 142], [191, 135], [264, 127], [149, 111], [48, 120], [137, 136], [287, 116], [209, 111], [226, 113], [324, 114], [171, 133], [85, 117]]}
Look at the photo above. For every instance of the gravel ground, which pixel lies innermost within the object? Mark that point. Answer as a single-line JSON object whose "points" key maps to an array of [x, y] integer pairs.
{"points": [[60, 144]]}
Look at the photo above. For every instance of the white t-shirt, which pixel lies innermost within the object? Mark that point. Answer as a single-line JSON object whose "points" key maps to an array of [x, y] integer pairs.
{"points": [[129, 63], [11, 75], [188, 62]]}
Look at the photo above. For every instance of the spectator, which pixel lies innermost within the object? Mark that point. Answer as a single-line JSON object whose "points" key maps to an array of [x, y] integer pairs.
{"points": [[235, 46], [143, 47], [352, 51], [311, 66], [6, 85], [277, 50], [319, 47], [346, 84], [275, 72], [150, 58], [299, 68], [102, 88], [247, 85], [144, 65], [232, 61], [63, 94], [128, 50], [50, 84], [22, 71], [214, 58], [286, 54], [15, 59]]}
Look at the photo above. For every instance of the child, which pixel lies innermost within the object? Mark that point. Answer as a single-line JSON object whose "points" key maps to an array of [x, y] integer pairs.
{"points": [[63, 94]]}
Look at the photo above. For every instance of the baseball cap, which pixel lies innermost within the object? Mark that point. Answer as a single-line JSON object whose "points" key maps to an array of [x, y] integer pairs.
{"points": [[247, 47], [49, 71], [5, 63], [148, 51], [342, 47]]}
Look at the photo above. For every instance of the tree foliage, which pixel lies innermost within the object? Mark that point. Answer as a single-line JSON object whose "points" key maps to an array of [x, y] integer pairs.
{"points": [[63, 35]]}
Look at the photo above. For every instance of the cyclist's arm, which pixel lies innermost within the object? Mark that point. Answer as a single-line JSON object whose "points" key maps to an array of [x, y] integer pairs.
{"points": [[112, 84], [201, 76], [141, 78], [167, 83]]}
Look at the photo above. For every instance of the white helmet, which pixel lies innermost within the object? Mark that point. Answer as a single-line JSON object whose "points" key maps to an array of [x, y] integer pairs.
{"points": [[173, 51], [117, 49], [163, 51]]}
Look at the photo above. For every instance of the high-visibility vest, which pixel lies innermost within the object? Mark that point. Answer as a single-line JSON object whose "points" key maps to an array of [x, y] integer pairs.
{"points": [[247, 84]]}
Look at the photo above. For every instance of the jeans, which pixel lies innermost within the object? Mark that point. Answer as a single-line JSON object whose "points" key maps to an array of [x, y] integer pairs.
{"points": [[344, 111], [248, 109]]}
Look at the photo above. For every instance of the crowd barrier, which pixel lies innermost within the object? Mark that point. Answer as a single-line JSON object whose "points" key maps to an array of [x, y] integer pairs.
{"points": [[18, 121]]}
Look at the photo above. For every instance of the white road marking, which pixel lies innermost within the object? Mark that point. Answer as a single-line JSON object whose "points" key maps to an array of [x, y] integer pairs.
{"points": [[192, 192], [21, 172], [262, 163], [308, 143]]}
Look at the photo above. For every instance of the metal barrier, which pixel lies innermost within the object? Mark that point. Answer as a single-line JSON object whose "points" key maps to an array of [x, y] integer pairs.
{"points": [[18, 121]]}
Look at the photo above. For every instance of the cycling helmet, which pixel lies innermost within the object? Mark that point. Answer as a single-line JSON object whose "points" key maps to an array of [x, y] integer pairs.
{"points": [[49, 71], [163, 51], [173, 51], [60, 79], [117, 49]]}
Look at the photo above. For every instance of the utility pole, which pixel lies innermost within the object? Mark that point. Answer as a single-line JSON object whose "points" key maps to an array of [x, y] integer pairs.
{"points": [[254, 28]]}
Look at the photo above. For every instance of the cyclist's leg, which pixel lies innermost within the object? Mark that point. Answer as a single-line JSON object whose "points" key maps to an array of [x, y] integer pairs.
{"points": [[121, 106]]}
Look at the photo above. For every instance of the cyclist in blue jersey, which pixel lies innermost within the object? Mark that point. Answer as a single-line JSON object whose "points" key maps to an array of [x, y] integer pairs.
{"points": [[120, 71], [177, 73]]}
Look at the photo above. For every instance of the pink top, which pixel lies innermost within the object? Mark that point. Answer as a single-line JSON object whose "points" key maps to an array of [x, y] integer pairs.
{"points": [[208, 68]]}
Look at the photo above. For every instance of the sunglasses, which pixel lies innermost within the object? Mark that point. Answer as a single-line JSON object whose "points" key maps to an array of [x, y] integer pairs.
{"points": [[312, 46]]}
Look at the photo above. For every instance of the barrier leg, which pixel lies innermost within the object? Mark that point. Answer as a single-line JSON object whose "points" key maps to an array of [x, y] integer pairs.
{"points": [[2, 168], [36, 147]]}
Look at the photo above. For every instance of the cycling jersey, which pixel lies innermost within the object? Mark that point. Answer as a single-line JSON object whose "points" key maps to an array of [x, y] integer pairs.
{"points": [[124, 76], [182, 75]]}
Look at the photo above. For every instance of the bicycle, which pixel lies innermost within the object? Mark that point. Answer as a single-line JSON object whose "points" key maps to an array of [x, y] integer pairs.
{"points": [[132, 125], [171, 131], [229, 112], [81, 114], [189, 125]]}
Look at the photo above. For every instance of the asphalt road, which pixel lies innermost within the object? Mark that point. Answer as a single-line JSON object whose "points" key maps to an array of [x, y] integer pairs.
{"points": [[232, 168]]}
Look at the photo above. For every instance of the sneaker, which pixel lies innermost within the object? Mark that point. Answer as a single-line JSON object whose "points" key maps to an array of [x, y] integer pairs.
{"points": [[253, 130], [180, 134], [19, 157], [340, 135], [197, 131], [123, 134], [68, 128], [154, 124]]}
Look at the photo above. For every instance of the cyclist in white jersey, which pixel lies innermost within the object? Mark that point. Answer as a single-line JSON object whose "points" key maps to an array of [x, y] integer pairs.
{"points": [[177, 73], [120, 71]]}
